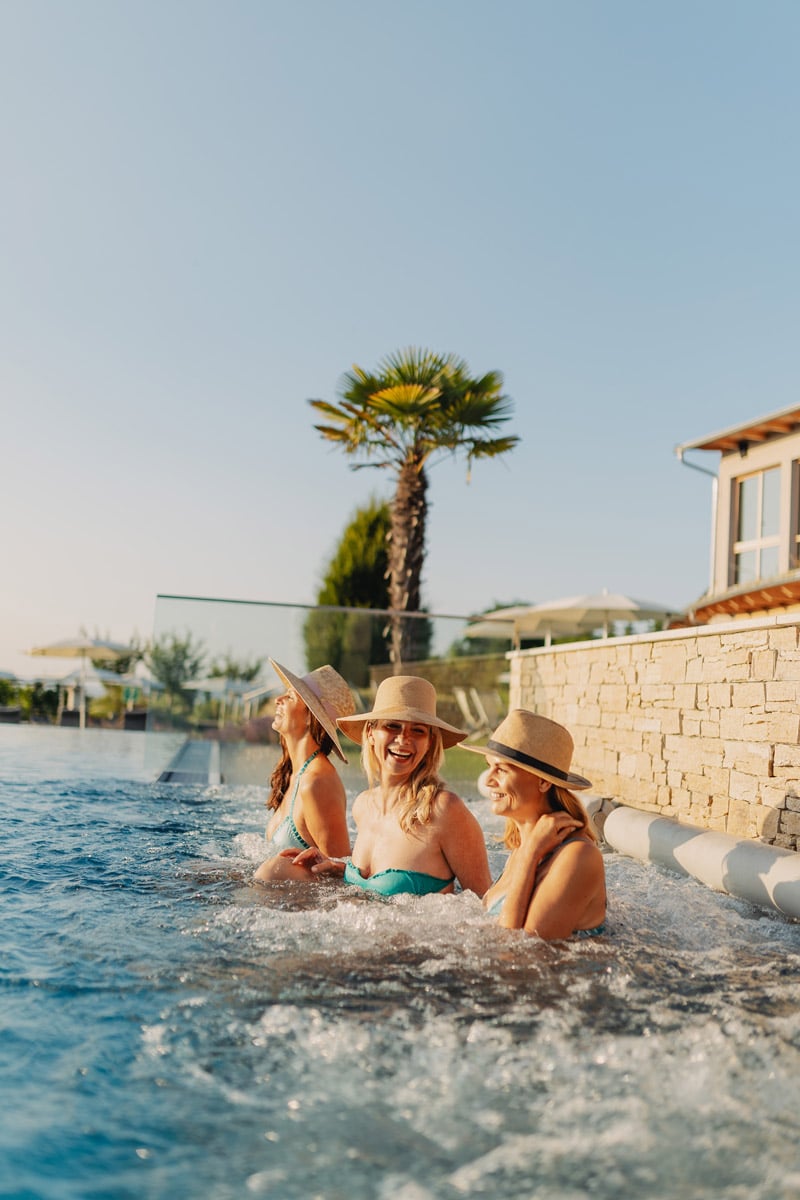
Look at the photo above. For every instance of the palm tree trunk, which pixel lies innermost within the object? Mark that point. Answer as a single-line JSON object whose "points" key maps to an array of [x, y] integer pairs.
{"points": [[406, 558]]}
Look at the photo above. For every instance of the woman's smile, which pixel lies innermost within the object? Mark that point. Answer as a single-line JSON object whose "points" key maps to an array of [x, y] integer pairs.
{"points": [[400, 743]]}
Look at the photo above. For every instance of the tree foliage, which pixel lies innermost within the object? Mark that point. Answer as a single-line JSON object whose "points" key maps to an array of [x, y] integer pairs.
{"points": [[175, 661], [416, 408], [122, 664], [355, 578], [230, 668]]}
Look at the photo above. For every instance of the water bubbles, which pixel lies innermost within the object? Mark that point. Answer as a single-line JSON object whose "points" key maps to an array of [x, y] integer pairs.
{"points": [[424, 1053]]}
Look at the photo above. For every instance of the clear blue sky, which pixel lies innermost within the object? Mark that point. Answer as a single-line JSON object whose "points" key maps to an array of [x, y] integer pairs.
{"points": [[209, 211]]}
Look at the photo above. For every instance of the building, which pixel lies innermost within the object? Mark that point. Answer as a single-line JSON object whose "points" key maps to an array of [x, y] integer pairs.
{"points": [[701, 722], [755, 521]]}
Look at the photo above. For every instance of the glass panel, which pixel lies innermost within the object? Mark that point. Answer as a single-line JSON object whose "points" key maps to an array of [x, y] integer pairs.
{"points": [[745, 569], [770, 504], [748, 509], [214, 690], [769, 562]]}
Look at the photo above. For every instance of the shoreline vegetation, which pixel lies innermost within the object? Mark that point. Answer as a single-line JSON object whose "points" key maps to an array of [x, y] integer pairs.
{"points": [[219, 709]]}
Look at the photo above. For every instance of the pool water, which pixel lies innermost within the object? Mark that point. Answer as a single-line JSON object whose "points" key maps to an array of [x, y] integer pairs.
{"points": [[170, 1029]]}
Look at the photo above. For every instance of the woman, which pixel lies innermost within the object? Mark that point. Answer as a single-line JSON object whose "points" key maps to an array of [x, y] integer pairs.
{"points": [[413, 834], [553, 883], [307, 798]]}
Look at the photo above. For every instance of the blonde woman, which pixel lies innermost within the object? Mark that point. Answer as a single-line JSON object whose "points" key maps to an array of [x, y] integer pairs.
{"points": [[307, 798], [553, 884], [413, 834]]}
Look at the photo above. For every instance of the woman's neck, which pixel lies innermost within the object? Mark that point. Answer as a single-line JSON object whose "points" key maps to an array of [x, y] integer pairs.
{"points": [[300, 749], [387, 792]]}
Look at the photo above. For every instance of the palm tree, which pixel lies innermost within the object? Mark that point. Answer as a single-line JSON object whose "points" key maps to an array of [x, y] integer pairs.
{"points": [[416, 408]]}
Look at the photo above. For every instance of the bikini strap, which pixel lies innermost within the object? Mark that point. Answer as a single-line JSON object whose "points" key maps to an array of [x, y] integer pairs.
{"points": [[310, 759]]}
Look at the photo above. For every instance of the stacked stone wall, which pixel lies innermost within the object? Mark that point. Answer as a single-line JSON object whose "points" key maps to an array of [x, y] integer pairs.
{"points": [[701, 725]]}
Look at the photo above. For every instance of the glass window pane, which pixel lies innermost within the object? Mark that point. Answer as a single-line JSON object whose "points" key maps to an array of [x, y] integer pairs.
{"points": [[745, 570], [770, 503], [748, 509], [769, 562]]}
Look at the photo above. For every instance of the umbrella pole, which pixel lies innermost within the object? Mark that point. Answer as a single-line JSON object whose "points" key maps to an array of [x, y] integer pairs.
{"points": [[82, 708]]}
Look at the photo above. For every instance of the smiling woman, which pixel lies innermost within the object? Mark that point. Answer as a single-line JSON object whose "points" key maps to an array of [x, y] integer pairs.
{"points": [[553, 884], [307, 797], [413, 834]]}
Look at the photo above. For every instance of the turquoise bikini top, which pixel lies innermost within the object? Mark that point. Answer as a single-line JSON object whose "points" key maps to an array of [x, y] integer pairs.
{"points": [[286, 836], [395, 881]]}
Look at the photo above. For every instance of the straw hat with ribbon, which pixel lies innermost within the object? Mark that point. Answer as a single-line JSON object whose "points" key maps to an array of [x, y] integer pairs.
{"points": [[403, 698], [325, 694], [536, 744]]}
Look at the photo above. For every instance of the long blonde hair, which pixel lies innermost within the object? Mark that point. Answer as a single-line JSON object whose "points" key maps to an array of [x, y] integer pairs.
{"points": [[561, 799], [418, 794]]}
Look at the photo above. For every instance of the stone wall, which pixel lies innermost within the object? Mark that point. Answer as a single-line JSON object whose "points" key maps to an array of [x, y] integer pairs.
{"points": [[700, 725]]}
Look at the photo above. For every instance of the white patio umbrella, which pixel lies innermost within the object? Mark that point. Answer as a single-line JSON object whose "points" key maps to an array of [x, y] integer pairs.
{"points": [[578, 614], [493, 626], [516, 622], [229, 691], [84, 648]]}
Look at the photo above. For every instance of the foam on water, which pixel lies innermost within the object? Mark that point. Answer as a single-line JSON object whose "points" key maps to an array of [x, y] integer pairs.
{"points": [[173, 1029]]}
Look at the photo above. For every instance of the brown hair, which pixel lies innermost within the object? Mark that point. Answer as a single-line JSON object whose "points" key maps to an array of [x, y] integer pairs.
{"points": [[561, 799], [418, 794], [282, 772]]}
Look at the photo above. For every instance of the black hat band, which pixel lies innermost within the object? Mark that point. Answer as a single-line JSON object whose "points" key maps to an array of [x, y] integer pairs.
{"points": [[527, 759]]}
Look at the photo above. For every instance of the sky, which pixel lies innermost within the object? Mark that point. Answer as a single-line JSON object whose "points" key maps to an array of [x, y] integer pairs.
{"points": [[211, 211]]}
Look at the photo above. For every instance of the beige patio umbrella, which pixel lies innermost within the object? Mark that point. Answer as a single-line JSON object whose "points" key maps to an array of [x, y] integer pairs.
{"points": [[86, 649], [517, 622], [578, 614]]}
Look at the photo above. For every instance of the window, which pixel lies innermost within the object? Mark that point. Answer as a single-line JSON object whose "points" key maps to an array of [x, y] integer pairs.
{"points": [[794, 548], [755, 549]]}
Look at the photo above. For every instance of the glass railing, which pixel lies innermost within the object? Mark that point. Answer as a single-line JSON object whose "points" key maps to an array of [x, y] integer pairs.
{"points": [[212, 681]]}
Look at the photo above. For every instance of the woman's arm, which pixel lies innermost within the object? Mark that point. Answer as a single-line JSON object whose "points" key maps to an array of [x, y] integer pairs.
{"points": [[325, 815], [316, 862], [519, 877], [463, 845], [571, 895]]}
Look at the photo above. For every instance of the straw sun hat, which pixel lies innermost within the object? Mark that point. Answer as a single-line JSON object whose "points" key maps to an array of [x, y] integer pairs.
{"points": [[536, 744], [403, 698], [325, 694]]}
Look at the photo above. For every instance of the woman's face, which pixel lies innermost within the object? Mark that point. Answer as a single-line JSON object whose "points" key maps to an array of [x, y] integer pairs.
{"points": [[291, 714], [399, 746], [515, 792]]}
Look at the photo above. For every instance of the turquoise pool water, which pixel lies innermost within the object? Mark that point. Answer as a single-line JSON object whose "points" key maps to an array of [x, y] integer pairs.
{"points": [[168, 1029]]}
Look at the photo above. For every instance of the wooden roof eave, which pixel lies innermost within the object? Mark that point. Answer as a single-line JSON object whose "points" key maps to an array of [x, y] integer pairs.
{"points": [[738, 438]]}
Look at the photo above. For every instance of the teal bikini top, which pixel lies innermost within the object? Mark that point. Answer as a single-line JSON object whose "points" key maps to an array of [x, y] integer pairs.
{"points": [[286, 836], [395, 881]]}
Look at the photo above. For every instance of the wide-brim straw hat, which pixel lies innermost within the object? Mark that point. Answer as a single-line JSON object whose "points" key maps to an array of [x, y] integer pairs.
{"points": [[325, 694], [536, 744], [403, 698]]}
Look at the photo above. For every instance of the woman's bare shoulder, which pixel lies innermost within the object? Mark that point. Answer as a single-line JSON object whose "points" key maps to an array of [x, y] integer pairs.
{"points": [[325, 781], [578, 852], [449, 804], [447, 798]]}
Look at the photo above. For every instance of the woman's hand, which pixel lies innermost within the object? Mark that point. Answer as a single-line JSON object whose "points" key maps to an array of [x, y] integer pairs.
{"points": [[537, 840], [314, 860], [540, 839]]}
